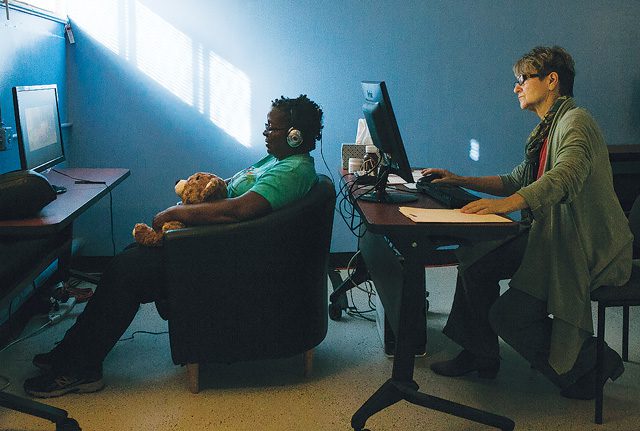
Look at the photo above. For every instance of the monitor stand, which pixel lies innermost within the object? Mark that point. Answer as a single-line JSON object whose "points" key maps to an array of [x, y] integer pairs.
{"points": [[381, 195]]}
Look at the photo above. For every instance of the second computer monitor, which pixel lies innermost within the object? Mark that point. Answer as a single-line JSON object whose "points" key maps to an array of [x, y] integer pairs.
{"points": [[38, 126]]}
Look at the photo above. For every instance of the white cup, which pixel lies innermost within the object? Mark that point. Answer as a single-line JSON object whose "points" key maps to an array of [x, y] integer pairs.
{"points": [[355, 164]]}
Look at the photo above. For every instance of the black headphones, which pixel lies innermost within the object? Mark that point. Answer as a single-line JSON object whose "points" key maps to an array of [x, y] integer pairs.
{"points": [[294, 136]]}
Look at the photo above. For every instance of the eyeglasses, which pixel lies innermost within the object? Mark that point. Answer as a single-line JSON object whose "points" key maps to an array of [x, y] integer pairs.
{"points": [[269, 128], [521, 79]]}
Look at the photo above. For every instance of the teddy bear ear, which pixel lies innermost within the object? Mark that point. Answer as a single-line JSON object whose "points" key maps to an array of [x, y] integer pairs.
{"points": [[179, 188], [216, 188], [209, 188]]}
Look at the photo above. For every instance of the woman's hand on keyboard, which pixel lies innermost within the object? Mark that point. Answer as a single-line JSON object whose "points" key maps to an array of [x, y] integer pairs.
{"points": [[442, 176]]}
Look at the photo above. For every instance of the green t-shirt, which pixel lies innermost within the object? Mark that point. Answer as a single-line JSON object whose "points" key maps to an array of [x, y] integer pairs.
{"points": [[278, 181]]}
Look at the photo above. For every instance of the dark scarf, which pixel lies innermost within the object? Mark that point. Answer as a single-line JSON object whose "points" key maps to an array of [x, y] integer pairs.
{"points": [[532, 151], [535, 141]]}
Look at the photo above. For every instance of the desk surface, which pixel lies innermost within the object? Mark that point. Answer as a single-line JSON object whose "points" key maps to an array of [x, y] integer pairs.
{"points": [[622, 153], [388, 220], [60, 213]]}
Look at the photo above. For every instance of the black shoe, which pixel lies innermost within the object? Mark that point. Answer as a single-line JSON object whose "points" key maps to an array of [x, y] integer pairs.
{"points": [[585, 387], [52, 385], [465, 363]]}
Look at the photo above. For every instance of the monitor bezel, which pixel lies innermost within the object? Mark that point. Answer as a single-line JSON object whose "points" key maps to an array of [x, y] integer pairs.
{"points": [[25, 163], [377, 100]]}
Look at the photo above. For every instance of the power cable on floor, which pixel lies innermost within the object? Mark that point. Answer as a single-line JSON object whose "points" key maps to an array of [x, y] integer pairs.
{"points": [[130, 337]]}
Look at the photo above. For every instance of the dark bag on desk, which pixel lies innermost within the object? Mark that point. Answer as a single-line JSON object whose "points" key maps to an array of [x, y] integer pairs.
{"points": [[23, 194]]}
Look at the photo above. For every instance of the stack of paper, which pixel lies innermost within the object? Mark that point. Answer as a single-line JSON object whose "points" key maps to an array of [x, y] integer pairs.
{"points": [[427, 215]]}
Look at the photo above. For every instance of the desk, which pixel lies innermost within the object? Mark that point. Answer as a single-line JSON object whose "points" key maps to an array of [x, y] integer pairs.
{"points": [[395, 251], [61, 213], [625, 165], [55, 221]]}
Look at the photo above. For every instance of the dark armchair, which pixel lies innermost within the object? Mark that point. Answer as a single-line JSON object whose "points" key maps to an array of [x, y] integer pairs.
{"points": [[251, 290]]}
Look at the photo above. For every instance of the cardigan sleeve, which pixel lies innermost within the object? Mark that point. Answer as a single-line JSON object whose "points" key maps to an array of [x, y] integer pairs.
{"points": [[571, 155], [512, 182]]}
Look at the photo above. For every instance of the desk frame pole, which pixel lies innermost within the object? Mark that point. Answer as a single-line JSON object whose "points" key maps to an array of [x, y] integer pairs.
{"points": [[64, 260], [401, 386]]}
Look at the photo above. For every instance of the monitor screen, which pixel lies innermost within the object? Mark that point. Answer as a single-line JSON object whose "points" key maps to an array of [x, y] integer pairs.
{"points": [[385, 135], [38, 126]]}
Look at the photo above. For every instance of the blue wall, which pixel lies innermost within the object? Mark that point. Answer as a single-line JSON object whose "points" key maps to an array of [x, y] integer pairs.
{"points": [[32, 52], [447, 65]]}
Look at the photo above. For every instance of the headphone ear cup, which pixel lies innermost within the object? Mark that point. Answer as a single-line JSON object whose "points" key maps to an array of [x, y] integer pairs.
{"points": [[294, 138]]}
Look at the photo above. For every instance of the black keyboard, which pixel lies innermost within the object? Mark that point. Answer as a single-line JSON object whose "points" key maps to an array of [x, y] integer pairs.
{"points": [[447, 194]]}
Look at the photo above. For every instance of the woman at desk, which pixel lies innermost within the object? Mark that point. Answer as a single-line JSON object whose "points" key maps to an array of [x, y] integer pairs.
{"points": [[575, 238], [134, 276]]}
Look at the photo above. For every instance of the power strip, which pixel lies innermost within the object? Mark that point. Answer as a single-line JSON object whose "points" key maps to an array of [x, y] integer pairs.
{"points": [[62, 310]]}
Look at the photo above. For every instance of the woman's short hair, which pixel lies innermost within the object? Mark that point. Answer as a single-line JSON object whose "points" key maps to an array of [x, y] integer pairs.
{"points": [[303, 114], [544, 60]]}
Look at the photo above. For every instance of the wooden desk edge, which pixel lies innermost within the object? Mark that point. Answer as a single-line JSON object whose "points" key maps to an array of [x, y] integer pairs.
{"points": [[39, 225]]}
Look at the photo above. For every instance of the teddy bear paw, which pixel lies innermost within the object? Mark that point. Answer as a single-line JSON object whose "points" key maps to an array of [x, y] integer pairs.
{"points": [[145, 235]]}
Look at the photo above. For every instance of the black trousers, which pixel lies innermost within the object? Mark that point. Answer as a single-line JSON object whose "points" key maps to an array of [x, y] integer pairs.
{"points": [[135, 276], [477, 289], [479, 315]]}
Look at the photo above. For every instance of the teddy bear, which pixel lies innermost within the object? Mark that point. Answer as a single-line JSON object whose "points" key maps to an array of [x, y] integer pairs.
{"points": [[199, 187]]}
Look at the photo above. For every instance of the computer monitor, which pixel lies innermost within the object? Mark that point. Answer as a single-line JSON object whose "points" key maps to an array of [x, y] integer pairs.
{"points": [[38, 127], [385, 135]]}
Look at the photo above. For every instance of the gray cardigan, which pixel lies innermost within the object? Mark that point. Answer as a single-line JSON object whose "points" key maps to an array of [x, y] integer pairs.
{"points": [[579, 238]]}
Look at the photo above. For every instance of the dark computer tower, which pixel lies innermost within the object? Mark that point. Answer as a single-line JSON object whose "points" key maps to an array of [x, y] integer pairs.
{"points": [[388, 338]]}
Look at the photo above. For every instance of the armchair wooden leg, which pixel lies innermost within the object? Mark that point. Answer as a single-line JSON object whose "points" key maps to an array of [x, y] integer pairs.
{"points": [[599, 364], [625, 333], [307, 357], [193, 375]]}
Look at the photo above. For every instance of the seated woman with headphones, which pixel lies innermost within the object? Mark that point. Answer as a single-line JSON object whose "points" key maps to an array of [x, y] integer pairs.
{"points": [[284, 175], [134, 276]]}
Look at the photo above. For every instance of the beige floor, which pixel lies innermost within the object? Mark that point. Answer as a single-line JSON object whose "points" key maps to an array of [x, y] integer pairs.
{"points": [[146, 391]]}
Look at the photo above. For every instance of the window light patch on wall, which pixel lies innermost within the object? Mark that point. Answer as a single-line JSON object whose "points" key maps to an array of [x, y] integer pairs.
{"points": [[474, 150], [200, 78], [229, 94], [164, 53], [100, 21]]}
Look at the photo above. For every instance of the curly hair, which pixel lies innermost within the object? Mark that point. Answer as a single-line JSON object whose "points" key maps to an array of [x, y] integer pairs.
{"points": [[304, 115], [544, 60]]}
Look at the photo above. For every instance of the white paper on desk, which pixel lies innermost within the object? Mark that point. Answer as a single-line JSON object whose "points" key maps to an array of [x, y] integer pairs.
{"points": [[428, 215], [395, 179]]}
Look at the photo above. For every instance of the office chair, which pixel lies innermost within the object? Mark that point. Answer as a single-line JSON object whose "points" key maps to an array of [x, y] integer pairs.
{"points": [[251, 290], [16, 273], [617, 296], [57, 416]]}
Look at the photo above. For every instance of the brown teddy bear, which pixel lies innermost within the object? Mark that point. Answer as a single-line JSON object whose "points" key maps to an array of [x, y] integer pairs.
{"points": [[199, 187]]}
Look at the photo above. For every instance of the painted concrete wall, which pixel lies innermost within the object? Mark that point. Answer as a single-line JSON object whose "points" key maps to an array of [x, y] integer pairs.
{"points": [[167, 89], [32, 52]]}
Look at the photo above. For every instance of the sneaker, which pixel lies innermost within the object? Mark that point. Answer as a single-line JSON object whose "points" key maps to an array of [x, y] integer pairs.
{"points": [[51, 385]]}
